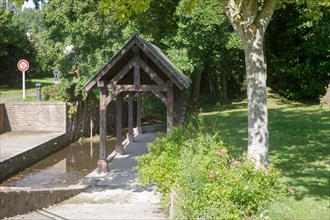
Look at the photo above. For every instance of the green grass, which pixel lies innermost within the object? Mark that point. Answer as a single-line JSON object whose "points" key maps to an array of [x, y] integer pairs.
{"points": [[29, 87], [299, 146]]}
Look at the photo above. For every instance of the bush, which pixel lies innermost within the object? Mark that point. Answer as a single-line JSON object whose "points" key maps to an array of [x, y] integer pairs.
{"points": [[64, 91], [209, 182]]}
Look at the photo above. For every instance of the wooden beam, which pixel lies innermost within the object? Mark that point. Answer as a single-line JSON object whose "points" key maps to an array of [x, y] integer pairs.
{"points": [[170, 112], [161, 97], [101, 84], [138, 112], [102, 163], [136, 88], [123, 71], [151, 73], [119, 103], [136, 52], [130, 134], [109, 65], [111, 97]]}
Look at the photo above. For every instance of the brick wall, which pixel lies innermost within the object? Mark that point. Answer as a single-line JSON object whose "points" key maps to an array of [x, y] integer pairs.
{"points": [[36, 116]]}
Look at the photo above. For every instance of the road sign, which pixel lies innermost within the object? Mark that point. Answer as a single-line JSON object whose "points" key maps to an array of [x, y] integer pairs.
{"points": [[23, 65]]}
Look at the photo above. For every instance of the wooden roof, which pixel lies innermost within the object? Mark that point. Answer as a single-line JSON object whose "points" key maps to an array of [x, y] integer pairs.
{"points": [[151, 55]]}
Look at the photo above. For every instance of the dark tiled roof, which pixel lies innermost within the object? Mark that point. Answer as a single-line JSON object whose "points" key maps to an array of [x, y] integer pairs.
{"points": [[166, 62], [152, 51]]}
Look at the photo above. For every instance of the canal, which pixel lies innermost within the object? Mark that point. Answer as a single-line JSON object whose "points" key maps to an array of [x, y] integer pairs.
{"points": [[65, 167]]}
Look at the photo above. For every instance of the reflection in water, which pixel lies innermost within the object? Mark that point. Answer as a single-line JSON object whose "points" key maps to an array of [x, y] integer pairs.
{"points": [[64, 168]]}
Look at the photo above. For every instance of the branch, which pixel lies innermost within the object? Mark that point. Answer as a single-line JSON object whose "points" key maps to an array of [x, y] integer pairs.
{"points": [[233, 14], [266, 13], [250, 11]]}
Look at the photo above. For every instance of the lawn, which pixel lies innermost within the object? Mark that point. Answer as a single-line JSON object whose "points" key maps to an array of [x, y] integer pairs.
{"points": [[29, 85], [299, 147]]}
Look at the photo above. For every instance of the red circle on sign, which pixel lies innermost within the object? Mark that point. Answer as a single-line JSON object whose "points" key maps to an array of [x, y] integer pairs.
{"points": [[23, 65]]}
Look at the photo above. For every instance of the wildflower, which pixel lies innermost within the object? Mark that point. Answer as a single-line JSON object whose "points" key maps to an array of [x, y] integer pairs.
{"points": [[235, 163], [211, 174], [291, 191], [220, 153]]}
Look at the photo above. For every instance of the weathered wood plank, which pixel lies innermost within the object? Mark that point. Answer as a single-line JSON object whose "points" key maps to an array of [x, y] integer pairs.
{"points": [[139, 112], [130, 134], [119, 103], [136, 65], [151, 73], [111, 97], [136, 88], [102, 163], [123, 71], [161, 96], [170, 101]]}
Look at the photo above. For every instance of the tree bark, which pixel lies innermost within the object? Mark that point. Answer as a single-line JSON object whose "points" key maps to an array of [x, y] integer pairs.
{"points": [[257, 101], [250, 25]]}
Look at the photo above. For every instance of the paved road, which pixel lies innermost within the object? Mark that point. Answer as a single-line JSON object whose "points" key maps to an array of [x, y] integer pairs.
{"points": [[115, 195]]}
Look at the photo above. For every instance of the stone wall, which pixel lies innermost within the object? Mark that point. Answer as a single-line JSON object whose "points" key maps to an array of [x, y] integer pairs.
{"points": [[2, 118], [35, 116], [16, 201]]}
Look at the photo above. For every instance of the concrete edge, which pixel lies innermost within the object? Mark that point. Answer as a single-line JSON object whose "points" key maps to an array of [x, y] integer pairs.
{"points": [[13, 165], [18, 200]]}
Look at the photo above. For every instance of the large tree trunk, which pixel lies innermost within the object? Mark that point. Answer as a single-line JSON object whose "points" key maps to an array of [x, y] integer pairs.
{"points": [[250, 24], [257, 100]]}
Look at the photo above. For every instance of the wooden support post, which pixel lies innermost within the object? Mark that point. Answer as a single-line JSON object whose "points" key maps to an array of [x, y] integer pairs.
{"points": [[119, 103], [102, 163], [138, 113], [130, 134], [170, 109]]}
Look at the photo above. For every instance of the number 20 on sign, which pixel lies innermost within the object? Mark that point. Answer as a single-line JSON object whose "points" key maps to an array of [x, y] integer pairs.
{"points": [[23, 66]]}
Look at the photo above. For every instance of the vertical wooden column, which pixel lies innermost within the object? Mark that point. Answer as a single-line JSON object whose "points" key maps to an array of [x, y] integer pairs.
{"points": [[138, 113], [102, 163], [170, 106], [119, 105], [130, 134]]}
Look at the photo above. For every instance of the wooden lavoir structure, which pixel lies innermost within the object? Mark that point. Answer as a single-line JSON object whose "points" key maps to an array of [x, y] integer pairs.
{"points": [[138, 67]]}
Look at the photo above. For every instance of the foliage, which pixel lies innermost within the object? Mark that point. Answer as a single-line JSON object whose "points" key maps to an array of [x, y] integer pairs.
{"points": [[209, 182], [153, 107], [298, 69], [299, 147], [14, 45], [78, 40], [64, 91]]}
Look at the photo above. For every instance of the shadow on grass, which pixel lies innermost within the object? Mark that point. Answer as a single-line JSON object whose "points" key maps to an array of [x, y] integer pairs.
{"points": [[299, 144]]}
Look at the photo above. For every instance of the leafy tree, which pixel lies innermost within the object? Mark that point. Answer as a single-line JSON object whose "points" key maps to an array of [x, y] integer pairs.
{"points": [[249, 19], [78, 39], [298, 69], [14, 45]]}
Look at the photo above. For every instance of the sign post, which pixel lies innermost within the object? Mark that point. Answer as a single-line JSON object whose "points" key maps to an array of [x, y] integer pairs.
{"points": [[23, 66]]}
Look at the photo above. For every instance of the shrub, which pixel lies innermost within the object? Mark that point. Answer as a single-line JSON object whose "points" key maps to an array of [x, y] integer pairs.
{"points": [[209, 182]]}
